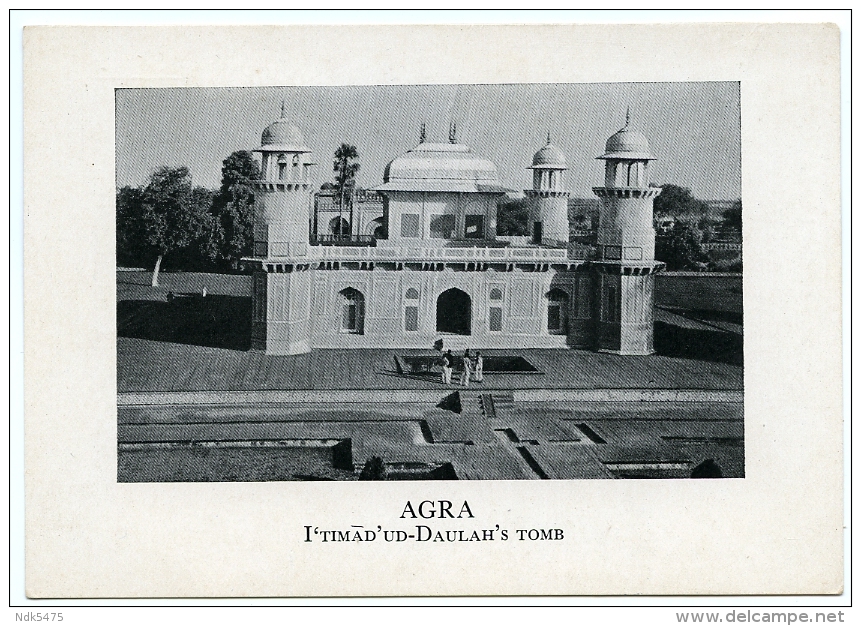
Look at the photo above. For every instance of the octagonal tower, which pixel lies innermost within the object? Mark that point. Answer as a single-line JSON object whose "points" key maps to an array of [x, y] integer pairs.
{"points": [[626, 246], [548, 199], [281, 296]]}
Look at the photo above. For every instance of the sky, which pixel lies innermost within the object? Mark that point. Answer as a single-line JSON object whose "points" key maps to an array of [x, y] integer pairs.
{"points": [[693, 128]]}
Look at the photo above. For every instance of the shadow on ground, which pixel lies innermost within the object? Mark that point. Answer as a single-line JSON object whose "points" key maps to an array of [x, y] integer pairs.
{"points": [[703, 345], [707, 315], [213, 322]]}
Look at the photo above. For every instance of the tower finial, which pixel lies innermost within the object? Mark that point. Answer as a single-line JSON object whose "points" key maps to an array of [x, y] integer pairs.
{"points": [[628, 116], [548, 137], [283, 109], [452, 132], [422, 133]]}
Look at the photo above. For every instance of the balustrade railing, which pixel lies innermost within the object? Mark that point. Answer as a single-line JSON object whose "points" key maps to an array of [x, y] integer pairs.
{"points": [[414, 253], [343, 240]]}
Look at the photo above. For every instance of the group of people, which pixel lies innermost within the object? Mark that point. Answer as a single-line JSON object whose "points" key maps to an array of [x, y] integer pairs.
{"points": [[473, 368]]}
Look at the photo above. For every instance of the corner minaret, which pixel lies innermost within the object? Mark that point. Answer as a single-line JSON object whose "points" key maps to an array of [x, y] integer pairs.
{"points": [[281, 295], [281, 194], [626, 246], [548, 206]]}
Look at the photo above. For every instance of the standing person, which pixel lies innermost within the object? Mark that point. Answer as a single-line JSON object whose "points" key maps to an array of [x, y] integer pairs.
{"points": [[479, 367], [446, 368], [467, 370]]}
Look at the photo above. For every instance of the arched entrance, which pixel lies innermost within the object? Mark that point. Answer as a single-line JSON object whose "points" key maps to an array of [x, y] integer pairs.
{"points": [[454, 312]]}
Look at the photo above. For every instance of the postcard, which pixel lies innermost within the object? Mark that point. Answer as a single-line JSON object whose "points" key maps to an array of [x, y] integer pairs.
{"points": [[433, 310]]}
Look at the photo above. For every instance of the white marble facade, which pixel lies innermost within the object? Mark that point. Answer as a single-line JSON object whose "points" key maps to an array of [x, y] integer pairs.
{"points": [[442, 272]]}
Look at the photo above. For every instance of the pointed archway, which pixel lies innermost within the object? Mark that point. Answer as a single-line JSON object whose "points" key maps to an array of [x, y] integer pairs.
{"points": [[454, 312]]}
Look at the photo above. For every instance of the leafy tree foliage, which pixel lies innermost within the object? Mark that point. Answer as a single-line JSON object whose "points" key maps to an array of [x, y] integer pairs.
{"points": [[193, 227], [732, 216], [678, 202], [374, 469], [167, 216], [132, 249], [233, 208], [512, 217], [682, 249]]}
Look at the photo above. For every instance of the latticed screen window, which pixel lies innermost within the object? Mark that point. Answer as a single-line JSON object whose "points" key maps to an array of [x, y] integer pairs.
{"points": [[411, 318], [352, 312], [409, 225], [411, 310], [442, 227], [557, 302], [495, 316]]}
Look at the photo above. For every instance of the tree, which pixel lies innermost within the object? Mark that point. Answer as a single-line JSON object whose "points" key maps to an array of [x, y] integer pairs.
{"points": [[676, 202], [233, 207], [132, 249], [345, 169], [682, 248], [512, 217], [174, 215], [374, 469], [732, 216]]}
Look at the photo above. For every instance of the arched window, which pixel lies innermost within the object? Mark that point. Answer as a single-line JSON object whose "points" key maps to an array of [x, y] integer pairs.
{"points": [[352, 311], [411, 310], [282, 166], [557, 312], [339, 227], [494, 321], [620, 174]]}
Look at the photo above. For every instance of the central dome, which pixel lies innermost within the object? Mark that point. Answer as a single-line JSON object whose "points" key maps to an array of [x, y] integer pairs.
{"points": [[440, 167]]}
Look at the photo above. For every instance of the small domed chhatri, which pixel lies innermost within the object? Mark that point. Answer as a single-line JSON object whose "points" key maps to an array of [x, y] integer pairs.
{"points": [[548, 199], [628, 144], [549, 157], [282, 134]]}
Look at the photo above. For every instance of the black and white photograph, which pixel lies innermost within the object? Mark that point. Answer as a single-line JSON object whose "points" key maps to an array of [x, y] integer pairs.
{"points": [[429, 282]]}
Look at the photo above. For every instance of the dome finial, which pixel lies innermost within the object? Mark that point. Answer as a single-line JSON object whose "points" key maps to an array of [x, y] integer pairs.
{"points": [[452, 132], [548, 137], [422, 133], [628, 116], [283, 109]]}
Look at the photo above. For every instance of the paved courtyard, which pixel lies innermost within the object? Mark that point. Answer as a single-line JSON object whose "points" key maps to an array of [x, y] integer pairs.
{"points": [[195, 404], [477, 436]]}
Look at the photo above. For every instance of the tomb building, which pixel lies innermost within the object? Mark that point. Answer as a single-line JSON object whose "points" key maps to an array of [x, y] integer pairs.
{"points": [[435, 267]]}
